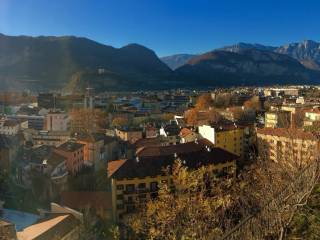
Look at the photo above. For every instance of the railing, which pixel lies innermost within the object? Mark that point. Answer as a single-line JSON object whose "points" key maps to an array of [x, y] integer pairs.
{"points": [[271, 218]]}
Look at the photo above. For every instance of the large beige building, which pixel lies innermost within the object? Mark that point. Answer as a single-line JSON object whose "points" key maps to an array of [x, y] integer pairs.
{"points": [[280, 144], [57, 121]]}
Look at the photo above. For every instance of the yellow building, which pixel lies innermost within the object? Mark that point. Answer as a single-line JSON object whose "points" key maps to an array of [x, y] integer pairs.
{"points": [[134, 181], [232, 138], [280, 144], [277, 119]]}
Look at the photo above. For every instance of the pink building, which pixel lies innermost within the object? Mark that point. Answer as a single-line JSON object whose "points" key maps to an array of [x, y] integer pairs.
{"points": [[74, 154]]}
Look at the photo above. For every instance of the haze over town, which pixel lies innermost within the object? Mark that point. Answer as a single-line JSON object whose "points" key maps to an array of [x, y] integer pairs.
{"points": [[159, 120]]}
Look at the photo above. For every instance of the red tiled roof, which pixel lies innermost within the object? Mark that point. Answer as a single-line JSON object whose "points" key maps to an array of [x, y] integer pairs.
{"points": [[113, 166], [185, 132]]}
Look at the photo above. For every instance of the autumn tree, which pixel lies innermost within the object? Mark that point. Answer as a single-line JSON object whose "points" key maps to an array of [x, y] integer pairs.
{"points": [[191, 116], [120, 122], [167, 117], [214, 116], [222, 100], [253, 103], [87, 120], [204, 102], [187, 212]]}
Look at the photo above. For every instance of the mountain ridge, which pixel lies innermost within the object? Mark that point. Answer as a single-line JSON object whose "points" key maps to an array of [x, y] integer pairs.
{"points": [[71, 63]]}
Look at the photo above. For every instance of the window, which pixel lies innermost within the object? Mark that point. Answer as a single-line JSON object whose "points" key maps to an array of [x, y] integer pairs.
{"points": [[154, 186], [142, 196], [130, 200], [142, 185], [119, 197], [130, 208], [120, 206], [130, 188], [120, 187]]}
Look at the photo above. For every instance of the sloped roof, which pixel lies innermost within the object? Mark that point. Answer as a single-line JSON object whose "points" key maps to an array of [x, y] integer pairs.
{"points": [[56, 227], [153, 162], [113, 166]]}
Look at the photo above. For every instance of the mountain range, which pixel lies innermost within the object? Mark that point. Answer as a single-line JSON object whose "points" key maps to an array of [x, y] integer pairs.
{"points": [[72, 63], [306, 52]]}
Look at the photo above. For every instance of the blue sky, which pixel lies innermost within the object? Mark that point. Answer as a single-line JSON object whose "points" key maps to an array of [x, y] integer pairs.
{"points": [[166, 26]]}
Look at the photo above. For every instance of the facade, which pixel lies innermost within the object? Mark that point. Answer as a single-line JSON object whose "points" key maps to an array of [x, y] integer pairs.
{"points": [[9, 127], [74, 154], [232, 138], [48, 137], [277, 119], [187, 135], [311, 116], [282, 144], [34, 121], [130, 135], [94, 151], [57, 121], [136, 180]]}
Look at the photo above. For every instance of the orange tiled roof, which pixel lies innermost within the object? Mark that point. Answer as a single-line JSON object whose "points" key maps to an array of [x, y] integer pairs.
{"points": [[113, 166], [185, 132]]}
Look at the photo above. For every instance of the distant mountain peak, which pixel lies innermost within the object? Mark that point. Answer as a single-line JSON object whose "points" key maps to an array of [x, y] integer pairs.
{"points": [[177, 60], [244, 46]]}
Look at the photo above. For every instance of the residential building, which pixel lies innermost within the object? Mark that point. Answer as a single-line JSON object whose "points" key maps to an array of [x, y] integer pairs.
{"points": [[74, 153], [133, 181], [232, 138], [187, 135], [34, 121], [131, 134], [277, 119], [281, 144], [311, 116], [47, 137], [94, 149], [57, 121], [9, 127]]}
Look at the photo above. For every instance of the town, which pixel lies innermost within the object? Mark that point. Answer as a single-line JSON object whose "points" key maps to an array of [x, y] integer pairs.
{"points": [[89, 166]]}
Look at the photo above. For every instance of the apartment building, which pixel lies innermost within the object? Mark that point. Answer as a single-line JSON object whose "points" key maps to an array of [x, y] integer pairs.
{"points": [[74, 154], [232, 138], [136, 180], [280, 144], [57, 121], [277, 119]]}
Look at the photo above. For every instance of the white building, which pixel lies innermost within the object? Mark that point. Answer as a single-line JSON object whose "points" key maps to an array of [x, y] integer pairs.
{"points": [[208, 132]]}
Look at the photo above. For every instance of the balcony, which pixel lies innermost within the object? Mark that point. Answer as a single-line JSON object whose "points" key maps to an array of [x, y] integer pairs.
{"points": [[137, 191]]}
